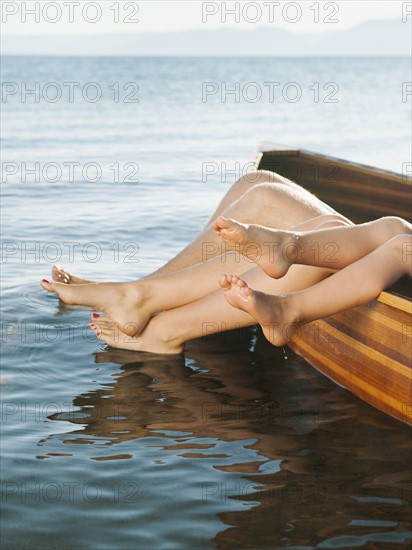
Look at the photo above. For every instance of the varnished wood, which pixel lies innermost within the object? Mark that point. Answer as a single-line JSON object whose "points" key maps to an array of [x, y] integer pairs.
{"points": [[366, 349], [357, 191]]}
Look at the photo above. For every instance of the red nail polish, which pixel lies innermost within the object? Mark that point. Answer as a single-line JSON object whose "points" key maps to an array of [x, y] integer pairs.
{"points": [[45, 281], [95, 315]]}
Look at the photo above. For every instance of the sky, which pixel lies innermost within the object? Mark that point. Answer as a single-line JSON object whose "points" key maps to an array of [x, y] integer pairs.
{"points": [[109, 16]]}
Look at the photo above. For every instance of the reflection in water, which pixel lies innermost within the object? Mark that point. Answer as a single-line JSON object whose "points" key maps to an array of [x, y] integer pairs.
{"points": [[233, 446], [311, 460]]}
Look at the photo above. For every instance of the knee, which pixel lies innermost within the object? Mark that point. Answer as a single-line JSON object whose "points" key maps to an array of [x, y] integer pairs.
{"points": [[331, 220], [393, 226], [332, 223], [402, 227], [261, 193], [255, 177], [402, 242], [401, 246]]}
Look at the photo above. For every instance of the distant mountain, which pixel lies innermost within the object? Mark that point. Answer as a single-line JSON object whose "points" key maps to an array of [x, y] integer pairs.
{"points": [[388, 37]]}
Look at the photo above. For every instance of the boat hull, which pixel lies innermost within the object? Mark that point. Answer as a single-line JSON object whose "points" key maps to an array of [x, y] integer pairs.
{"points": [[366, 349]]}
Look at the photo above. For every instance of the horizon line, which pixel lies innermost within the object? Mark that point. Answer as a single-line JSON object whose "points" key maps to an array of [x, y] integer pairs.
{"points": [[371, 56], [218, 29]]}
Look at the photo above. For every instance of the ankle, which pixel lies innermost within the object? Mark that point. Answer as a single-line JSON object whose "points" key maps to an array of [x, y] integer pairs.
{"points": [[290, 309], [271, 241], [140, 290], [290, 246], [166, 335]]}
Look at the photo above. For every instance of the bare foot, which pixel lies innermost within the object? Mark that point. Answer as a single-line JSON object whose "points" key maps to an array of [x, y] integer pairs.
{"points": [[127, 303], [268, 248], [271, 312], [149, 340], [59, 275]]}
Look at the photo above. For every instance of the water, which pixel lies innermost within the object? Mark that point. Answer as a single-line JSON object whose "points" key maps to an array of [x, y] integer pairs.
{"points": [[232, 445]]}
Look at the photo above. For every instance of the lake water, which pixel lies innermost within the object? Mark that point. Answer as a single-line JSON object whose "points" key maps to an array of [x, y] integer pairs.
{"points": [[237, 444]]}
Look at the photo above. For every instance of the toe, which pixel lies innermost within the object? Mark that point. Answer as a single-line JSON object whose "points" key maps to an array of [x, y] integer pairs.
{"points": [[223, 222], [47, 285], [59, 275], [97, 330], [224, 281], [103, 322], [247, 291], [65, 276], [216, 226], [232, 279]]}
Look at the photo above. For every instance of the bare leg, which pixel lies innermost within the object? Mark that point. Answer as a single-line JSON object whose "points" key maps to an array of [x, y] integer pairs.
{"points": [[168, 331], [275, 204], [357, 284], [238, 189], [60, 275], [276, 250], [125, 302], [261, 196], [132, 304], [245, 184], [320, 222]]}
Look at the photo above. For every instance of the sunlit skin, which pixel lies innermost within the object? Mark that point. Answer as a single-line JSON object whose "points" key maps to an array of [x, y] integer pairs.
{"points": [[189, 296], [274, 251], [185, 307], [357, 284], [144, 298], [161, 312]]}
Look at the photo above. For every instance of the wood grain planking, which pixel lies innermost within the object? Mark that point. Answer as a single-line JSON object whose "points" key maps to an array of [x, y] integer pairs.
{"points": [[366, 349]]}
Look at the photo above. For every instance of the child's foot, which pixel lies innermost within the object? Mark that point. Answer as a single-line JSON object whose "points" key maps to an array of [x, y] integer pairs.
{"points": [[150, 340], [59, 275], [266, 247], [271, 312], [127, 303]]}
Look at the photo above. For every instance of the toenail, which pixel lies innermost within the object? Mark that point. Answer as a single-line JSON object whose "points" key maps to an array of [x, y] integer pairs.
{"points": [[95, 315]]}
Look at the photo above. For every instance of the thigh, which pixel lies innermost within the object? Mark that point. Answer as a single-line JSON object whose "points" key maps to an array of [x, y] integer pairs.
{"points": [[322, 222], [278, 205]]}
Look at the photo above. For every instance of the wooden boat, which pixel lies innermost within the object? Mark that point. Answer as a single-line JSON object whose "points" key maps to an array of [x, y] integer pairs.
{"points": [[366, 349]]}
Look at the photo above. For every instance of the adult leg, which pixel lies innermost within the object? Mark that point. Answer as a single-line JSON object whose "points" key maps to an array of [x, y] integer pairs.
{"points": [[357, 284], [168, 331], [237, 190], [59, 275], [274, 204], [132, 304], [262, 197], [124, 301]]}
